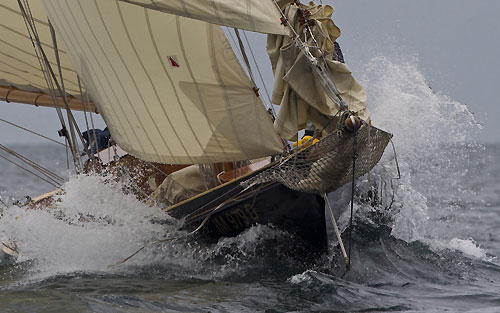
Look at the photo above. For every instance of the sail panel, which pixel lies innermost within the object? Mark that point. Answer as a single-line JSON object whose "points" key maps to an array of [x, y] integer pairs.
{"points": [[19, 64], [254, 15], [298, 90], [170, 89]]}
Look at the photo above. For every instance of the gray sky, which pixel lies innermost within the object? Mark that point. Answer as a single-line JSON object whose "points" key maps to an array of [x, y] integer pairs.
{"points": [[457, 43]]}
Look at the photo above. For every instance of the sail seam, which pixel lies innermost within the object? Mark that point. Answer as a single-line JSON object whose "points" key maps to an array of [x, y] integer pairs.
{"points": [[153, 40], [24, 71], [18, 13], [210, 31], [115, 74], [28, 38], [62, 33], [31, 54], [249, 14], [216, 11], [80, 48], [149, 78], [195, 82]]}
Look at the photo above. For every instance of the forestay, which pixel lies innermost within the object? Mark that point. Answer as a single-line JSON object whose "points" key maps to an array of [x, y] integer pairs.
{"points": [[169, 88], [255, 15]]}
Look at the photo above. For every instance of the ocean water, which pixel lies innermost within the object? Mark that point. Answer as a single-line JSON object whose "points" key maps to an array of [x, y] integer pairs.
{"points": [[434, 249]]}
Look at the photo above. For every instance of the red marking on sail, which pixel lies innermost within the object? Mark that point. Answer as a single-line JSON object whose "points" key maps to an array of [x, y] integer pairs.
{"points": [[172, 62]]}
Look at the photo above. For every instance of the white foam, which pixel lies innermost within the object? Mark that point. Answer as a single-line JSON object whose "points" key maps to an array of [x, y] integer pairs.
{"points": [[301, 278], [92, 226], [400, 102], [423, 122], [469, 247]]}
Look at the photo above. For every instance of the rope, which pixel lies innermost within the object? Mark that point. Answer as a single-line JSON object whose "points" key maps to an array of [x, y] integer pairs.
{"points": [[243, 53], [354, 156], [317, 64], [33, 132], [27, 170], [49, 75], [87, 100], [188, 234], [31, 27], [49, 174], [90, 144], [260, 74], [71, 119]]}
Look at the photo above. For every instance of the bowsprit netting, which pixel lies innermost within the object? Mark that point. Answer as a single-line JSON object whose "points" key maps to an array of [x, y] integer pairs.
{"points": [[328, 164]]}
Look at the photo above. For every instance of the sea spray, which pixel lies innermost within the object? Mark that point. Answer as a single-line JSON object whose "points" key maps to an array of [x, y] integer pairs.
{"points": [[431, 133], [90, 226], [96, 224], [93, 224]]}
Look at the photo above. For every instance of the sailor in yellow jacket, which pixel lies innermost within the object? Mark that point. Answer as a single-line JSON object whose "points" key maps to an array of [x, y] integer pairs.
{"points": [[305, 142]]}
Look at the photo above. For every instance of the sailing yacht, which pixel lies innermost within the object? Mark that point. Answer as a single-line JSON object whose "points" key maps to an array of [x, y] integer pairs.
{"points": [[182, 106]]}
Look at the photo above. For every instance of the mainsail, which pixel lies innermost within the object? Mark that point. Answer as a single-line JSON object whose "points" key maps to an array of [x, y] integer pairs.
{"points": [[170, 88], [255, 15], [21, 77]]}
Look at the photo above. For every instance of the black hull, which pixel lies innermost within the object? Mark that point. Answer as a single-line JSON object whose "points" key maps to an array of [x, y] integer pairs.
{"points": [[227, 211]]}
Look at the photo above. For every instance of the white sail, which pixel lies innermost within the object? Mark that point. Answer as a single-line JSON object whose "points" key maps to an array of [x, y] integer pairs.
{"points": [[297, 90], [169, 88], [21, 78], [255, 15]]}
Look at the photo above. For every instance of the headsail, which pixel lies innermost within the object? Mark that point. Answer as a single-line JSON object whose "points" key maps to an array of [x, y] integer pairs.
{"points": [[255, 15], [169, 88], [21, 77], [297, 89]]}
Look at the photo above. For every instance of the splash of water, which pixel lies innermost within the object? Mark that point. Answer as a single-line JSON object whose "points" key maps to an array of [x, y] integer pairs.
{"points": [[431, 133], [94, 224], [469, 247]]}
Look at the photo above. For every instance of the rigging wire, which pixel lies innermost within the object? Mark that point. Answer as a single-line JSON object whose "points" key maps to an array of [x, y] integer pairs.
{"points": [[353, 184], [65, 100], [27, 170], [73, 125], [87, 100], [48, 173], [49, 75], [33, 132], [204, 221], [244, 55], [249, 70], [90, 139], [259, 72], [317, 64], [34, 38]]}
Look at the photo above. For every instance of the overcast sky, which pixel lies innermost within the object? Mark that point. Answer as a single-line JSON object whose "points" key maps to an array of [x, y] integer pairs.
{"points": [[457, 43]]}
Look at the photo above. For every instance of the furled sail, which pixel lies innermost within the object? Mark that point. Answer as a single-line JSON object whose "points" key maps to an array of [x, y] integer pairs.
{"points": [[21, 77], [297, 90], [255, 15], [169, 88]]}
